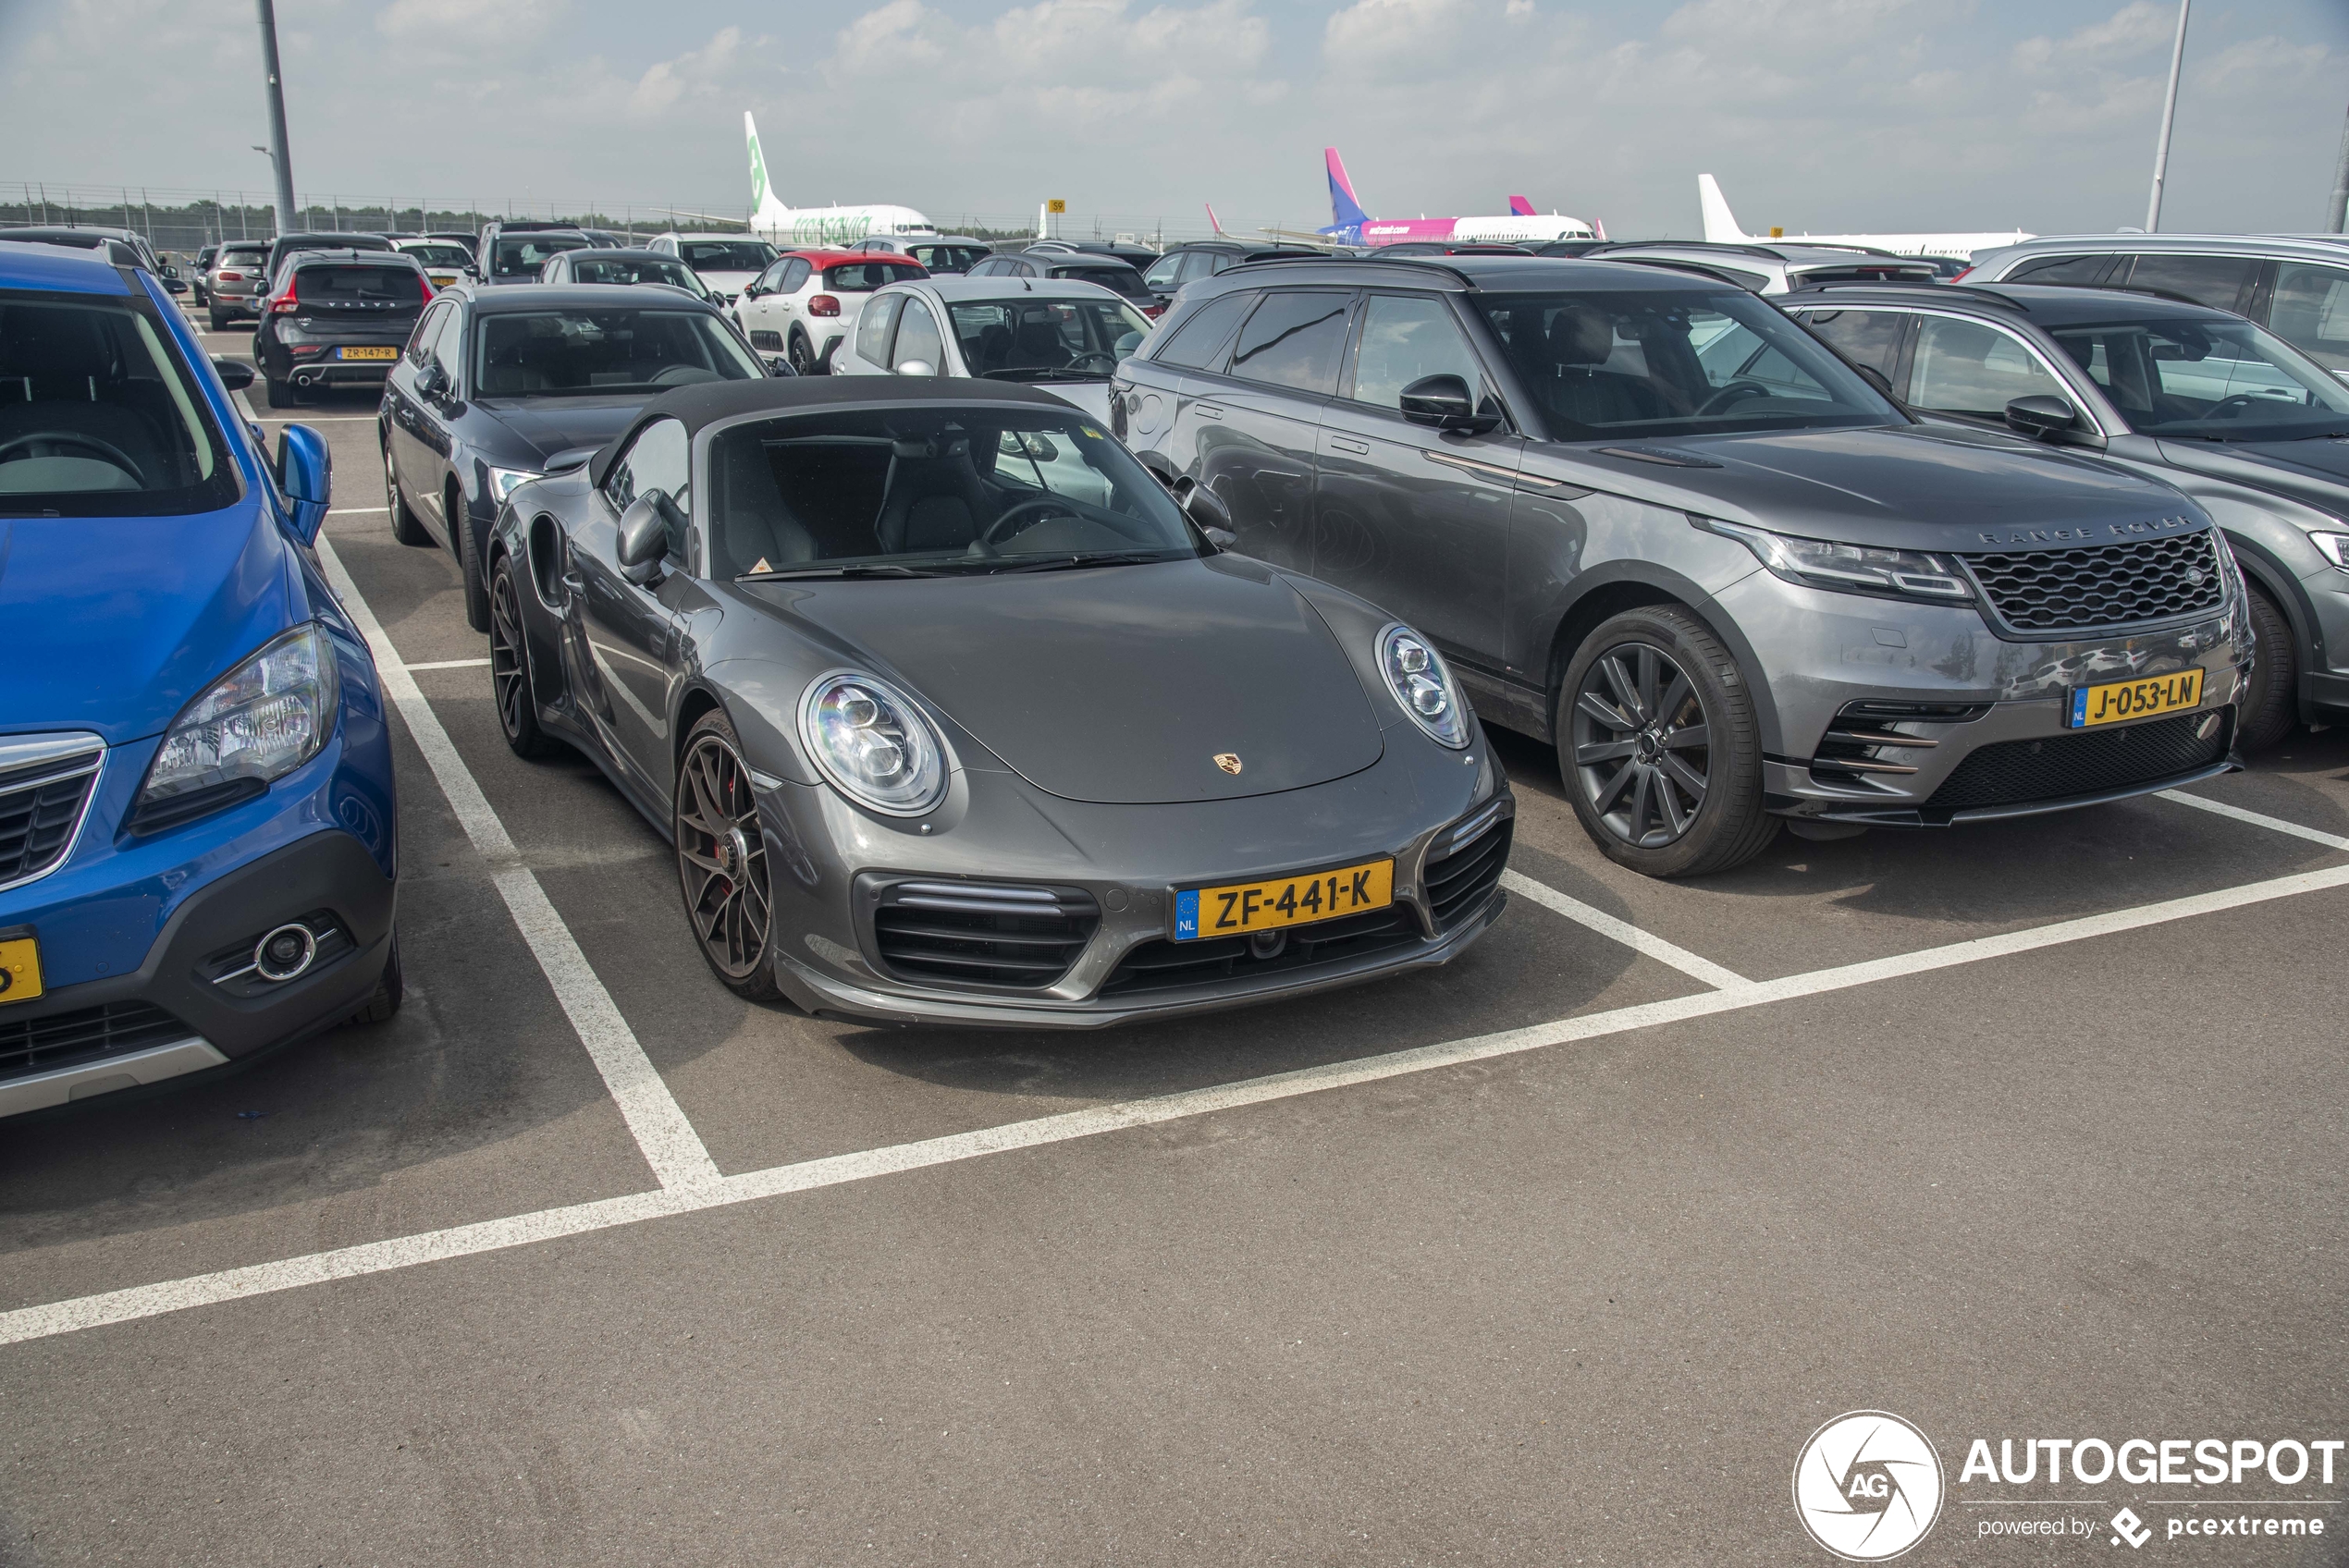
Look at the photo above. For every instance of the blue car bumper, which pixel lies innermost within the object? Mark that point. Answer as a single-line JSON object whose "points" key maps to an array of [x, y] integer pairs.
{"points": [[146, 942]]}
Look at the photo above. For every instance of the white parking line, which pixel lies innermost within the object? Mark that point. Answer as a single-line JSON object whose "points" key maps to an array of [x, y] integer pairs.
{"points": [[670, 1143], [1622, 931], [376, 1258], [316, 419], [358, 511], [2276, 823], [448, 663]]}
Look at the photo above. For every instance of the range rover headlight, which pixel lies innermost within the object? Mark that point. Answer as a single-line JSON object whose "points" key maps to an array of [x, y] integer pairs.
{"points": [[258, 722], [872, 743], [1415, 673], [2334, 547], [1849, 569]]}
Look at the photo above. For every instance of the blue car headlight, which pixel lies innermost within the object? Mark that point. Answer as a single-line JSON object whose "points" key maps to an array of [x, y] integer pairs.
{"points": [[252, 725], [1415, 673]]}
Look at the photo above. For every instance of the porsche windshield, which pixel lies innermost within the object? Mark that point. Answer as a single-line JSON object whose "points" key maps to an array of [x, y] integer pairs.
{"points": [[1649, 363], [1027, 338], [575, 352], [932, 491], [2208, 380]]}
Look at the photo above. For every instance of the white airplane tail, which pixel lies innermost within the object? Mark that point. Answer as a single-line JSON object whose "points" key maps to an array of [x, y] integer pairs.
{"points": [[1720, 223], [762, 195]]}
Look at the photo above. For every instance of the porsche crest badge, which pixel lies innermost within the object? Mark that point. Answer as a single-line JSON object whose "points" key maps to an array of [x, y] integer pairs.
{"points": [[1228, 760]]}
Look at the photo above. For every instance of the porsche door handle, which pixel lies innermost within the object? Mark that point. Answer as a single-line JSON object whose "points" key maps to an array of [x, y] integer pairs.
{"points": [[1340, 444], [1207, 411]]}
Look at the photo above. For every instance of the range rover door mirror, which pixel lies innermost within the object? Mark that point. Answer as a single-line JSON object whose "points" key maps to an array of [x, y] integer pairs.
{"points": [[2043, 415], [1443, 401], [644, 537]]}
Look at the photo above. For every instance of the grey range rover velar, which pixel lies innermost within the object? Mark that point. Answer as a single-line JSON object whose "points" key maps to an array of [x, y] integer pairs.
{"points": [[1646, 517]]}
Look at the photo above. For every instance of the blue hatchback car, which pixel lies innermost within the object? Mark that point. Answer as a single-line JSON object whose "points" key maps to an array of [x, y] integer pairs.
{"points": [[198, 829]]}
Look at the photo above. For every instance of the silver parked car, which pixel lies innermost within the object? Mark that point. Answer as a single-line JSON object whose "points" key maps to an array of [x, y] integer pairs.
{"points": [[2225, 410], [1769, 269], [1645, 516], [1064, 337], [2295, 286], [235, 282]]}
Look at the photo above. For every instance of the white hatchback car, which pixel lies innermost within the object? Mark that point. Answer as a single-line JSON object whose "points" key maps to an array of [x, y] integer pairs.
{"points": [[807, 304], [1066, 338], [726, 262]]}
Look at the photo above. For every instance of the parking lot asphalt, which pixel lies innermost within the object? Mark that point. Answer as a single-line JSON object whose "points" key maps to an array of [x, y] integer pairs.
{"points": [[1556, 1255]]}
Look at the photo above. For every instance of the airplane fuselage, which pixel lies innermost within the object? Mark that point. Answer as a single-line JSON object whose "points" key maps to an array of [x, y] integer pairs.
{"points": [[786, 227], [1961, 245], [1508, 228]]}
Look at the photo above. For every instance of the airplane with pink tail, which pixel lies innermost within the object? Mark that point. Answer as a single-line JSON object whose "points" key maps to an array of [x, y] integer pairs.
{"points": [[1349, 224]]}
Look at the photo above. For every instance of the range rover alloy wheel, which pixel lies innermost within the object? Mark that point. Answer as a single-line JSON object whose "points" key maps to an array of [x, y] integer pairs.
{"points": [[721, 861], [1658, 746]]}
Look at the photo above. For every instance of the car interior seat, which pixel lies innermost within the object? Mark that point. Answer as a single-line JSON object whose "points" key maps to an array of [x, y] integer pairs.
{"points": [[752, 521], [59, 373], [933, 502], [1578, 340], [1037, 345]]}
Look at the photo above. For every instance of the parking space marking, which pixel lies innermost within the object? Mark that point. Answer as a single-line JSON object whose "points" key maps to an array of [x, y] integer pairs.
{"points": [[316, 419], [2276, 823], [358, 511], [447, 664], [670, 1146], [1623, 931], [376, 1257]]}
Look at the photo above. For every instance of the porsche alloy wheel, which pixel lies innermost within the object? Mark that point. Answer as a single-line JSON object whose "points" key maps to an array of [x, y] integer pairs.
{"points": [[721, 861], [510, 668]]}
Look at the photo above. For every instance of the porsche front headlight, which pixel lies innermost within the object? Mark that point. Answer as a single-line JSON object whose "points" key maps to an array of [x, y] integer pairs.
{"points": [[1415, 673], [873, 743], [259, 722]]}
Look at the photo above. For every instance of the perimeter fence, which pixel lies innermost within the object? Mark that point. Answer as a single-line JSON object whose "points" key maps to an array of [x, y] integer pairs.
{"points": [[179, 222]]}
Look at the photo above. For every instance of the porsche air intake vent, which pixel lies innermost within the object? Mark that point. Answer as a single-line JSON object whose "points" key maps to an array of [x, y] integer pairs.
{"points": [[982, 933]]}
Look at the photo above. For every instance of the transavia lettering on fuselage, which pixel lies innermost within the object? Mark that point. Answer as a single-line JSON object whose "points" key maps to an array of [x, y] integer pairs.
{"points": [[819, 229]]}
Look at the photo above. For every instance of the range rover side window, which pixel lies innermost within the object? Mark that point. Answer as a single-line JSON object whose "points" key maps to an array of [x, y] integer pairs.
{"points": [[1200, 338], [1403, 338], [1865, 337], [2059, 269], [1294, 340], [1963, 367]]}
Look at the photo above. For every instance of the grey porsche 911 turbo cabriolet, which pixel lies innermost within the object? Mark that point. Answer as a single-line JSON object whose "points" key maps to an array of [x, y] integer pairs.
{"points": [[955, 717]]}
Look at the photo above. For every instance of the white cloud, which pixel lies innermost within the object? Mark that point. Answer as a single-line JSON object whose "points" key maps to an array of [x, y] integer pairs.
{"points": [[471, 25]]}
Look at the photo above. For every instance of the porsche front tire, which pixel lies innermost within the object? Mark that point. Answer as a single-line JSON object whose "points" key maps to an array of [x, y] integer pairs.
{"points": [[509, 668], [722, 867]]}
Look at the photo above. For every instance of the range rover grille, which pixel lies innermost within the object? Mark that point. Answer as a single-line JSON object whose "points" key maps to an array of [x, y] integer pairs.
{"points": [[2144, 579], [983, 933]]}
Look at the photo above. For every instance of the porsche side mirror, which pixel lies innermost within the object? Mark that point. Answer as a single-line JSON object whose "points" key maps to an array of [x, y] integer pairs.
{"points": [[235, 375], [643, 538], [306, 471], [1443, 401], [916, 367], [1206, 509], [2042, 415]]}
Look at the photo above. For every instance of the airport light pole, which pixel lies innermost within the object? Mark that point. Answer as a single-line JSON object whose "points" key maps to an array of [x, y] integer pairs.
{"points": [[279, 156], [2169, 115], [2338, 209]]}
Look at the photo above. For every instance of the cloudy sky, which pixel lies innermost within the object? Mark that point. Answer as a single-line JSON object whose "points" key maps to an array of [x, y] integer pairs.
{"points": [[1825, 114]]}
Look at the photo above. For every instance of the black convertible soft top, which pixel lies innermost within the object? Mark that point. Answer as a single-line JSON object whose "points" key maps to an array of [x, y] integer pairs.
{"points": [[715, 400]]}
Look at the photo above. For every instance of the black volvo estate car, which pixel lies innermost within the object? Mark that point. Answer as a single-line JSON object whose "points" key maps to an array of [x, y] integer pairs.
{"points": [[496, 383], [1645, 516]]}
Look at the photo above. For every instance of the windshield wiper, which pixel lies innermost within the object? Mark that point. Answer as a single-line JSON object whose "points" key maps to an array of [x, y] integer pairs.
{"points": [[1094, 557], [858, 568], [1043, 373]]}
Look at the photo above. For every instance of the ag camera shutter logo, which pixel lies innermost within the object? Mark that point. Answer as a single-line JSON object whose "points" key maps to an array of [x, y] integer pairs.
{"points": [[1867, 1486]]}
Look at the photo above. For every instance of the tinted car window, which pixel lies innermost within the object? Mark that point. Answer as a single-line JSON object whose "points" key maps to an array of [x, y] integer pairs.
{"points": [[543, 353], [1865, 337], [1117, 280], [1025, 338], [522, 255], [420, 340], [917, 339], [934, 489], [862, 277], [1203, 334], [635, 269], [726, 255], [1963, 367], [948, 258], [1671, 364], [1294, 340], [2311, 311], [99, 416], [2059, 269], [1161, 274], [439, 255], [1403, 338], [873, 329], [357, 287], [2212, 381], [2216, 281], [795, 275]]}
